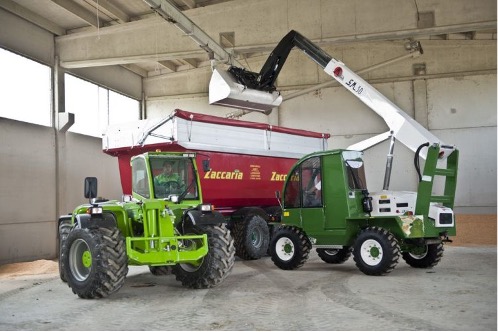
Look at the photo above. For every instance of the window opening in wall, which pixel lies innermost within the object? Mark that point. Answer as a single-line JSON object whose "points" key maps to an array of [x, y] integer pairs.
{"points": [[25, 89], [122, 108], [96, 107]]}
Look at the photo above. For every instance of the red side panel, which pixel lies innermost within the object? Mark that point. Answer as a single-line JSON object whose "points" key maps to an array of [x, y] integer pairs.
{"points": [[234, 181]]}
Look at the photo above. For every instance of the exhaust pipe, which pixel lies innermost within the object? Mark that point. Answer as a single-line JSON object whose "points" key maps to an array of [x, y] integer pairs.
{"points": [[224, 90]]}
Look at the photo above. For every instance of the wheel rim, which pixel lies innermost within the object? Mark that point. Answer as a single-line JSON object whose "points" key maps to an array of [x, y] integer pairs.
{"points": [[256, 238], [284, 248], [80, 260], [191, 267], [371, 252], [331, 252], [420, 254]]}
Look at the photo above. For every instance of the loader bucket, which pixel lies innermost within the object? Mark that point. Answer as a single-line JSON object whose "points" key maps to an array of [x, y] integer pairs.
{"points": [[224, 90]]}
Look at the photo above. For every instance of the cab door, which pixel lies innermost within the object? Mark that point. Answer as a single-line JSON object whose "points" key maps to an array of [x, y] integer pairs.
{"points": [[303, 199]]}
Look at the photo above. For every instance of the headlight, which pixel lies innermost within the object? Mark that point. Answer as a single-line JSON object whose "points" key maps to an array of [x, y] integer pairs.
{"points": [[442, 215], [206, 207], [94, 210]]}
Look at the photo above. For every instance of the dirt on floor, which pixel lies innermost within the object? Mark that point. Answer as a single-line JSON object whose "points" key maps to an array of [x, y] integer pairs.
{"points": [[41, 266], [475, 230]]}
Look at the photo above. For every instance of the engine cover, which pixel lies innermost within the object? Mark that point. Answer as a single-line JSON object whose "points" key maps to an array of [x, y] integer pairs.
{"points": [[393, 203]]}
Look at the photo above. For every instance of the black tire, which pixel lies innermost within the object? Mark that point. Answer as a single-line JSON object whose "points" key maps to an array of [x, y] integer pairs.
{"points": [[161, 270], [426, 257], [251, 237], [376, 251], [215, 266], [95, 262], [334, 256], [64, 230], [290, 248], [273, 230]]}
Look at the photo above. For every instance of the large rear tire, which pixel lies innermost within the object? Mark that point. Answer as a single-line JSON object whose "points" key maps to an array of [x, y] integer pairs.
{"points": [[290, 248], [334, 256], [251, 237], [64, 230], [213, 268], [376, 251], [95, 262], [426, 257]]}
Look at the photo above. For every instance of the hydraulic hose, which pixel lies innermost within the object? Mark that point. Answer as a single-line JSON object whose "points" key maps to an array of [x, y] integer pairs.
{"points": [[416, 160]]}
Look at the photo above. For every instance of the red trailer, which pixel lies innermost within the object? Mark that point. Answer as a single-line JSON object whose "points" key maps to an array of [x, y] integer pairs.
{"points": [[248, 164]]}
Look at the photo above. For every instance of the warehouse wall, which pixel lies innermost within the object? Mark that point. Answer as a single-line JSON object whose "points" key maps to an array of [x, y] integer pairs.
{"points": [[30, 174], [42, 170]]}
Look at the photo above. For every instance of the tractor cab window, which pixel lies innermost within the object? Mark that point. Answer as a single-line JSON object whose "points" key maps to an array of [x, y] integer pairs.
{"points": [[140, 182], [173, 176], [355, 170], [304, 189]]}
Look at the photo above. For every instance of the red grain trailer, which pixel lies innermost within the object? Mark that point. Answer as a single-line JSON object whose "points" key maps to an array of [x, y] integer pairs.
{"points": [[248, 164]]}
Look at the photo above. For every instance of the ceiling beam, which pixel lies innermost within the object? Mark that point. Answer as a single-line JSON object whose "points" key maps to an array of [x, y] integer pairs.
{"points": [[111, 10], [118, 57], [190, 3], [32, 17], [380, 36], [136, 69], [168, 65], [82, 13], [122, 60], [193, 62], [170, 13]]}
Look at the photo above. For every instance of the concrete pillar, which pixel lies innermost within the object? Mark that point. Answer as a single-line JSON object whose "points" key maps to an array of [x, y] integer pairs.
{"points": [[59, 107], [421, 110]]}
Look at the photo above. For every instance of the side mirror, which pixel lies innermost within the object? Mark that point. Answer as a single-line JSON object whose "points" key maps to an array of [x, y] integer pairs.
{"points": [[90, 187], [205, 165]]}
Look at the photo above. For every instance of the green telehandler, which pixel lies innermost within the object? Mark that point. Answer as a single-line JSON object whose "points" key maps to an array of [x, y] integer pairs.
{"points": [[163, 224]]}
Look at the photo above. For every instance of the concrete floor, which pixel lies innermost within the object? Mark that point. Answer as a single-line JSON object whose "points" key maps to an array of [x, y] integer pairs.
{"points": [[458, 294]]}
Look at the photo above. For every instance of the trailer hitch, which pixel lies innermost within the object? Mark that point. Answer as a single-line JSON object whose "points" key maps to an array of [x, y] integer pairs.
{"points": [[444, 237]]}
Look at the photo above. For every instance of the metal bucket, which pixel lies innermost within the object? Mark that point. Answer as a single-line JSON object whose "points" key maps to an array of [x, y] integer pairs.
{"points": [[224, 90]]}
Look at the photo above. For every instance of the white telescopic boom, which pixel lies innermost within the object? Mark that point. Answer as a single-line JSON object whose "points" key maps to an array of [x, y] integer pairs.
{"points": [[405, 129]]}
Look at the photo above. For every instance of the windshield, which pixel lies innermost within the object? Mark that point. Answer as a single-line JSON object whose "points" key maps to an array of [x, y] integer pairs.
{"points": [[173, 176]]}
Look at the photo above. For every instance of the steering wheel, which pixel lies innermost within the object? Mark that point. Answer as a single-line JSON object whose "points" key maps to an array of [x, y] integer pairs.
{"points": [[172, 185]]}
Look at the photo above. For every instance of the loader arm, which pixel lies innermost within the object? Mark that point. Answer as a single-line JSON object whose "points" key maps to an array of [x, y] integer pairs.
{"points": [[255, 89]]}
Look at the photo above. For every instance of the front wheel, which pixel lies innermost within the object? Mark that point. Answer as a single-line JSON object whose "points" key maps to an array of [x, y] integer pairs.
{"points": [[424, 257], [95, 262], [334, 256], [376, 251], [289, 248], [213, 268]]}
